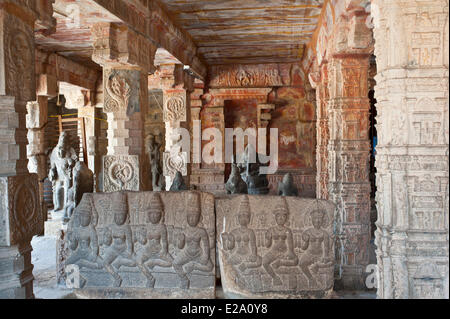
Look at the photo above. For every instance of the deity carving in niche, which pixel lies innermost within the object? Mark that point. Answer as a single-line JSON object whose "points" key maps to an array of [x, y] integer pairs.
{"points": [[276, 246], [153, 149]]}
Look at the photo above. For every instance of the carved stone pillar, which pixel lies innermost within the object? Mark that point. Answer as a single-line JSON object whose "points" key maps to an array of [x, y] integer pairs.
{"points": [[412, 152], [345, 109], [127, 58], [21, 217], [176, 105]]}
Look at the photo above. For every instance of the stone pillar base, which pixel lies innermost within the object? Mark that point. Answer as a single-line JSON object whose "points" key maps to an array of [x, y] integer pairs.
{"points": [[16, 272]]}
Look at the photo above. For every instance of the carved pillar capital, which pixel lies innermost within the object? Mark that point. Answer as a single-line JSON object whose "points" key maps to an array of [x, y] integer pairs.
{"points": [[116, 45]]}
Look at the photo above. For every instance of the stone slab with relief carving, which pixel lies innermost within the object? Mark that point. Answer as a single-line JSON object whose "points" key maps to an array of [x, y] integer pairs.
{"points": [[275, 247], [144, 245]]}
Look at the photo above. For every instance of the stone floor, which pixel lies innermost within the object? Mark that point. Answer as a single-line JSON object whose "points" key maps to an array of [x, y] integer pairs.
{"points": [[44, 261]]}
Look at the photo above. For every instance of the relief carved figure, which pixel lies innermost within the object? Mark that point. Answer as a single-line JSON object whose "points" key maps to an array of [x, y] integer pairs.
{"points": [[83, 241], [153, 149], [144, 244], [194, 245], [316, 246], [62, 160], [118, 239], [241, 242], [276, 247], [154, 237], [280, 241]]}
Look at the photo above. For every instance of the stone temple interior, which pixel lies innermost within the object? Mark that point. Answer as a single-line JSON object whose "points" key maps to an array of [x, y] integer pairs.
{"points": [[100, 199]]}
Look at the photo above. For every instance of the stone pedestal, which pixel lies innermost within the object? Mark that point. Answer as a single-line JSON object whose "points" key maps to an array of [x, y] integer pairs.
{"points": [[412, 153]]}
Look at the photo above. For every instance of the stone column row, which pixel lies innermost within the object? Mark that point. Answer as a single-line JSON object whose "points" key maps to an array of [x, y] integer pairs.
{"points": [[20, 212]]}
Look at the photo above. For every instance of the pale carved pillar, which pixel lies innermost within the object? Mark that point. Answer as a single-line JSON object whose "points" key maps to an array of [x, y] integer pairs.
{"points": [[127, 58], [319, 81], [177, 87], [21, 216], [347, 158], [412, 153]]}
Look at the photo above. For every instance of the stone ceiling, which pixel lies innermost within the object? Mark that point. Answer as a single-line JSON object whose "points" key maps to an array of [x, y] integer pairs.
{"points": [[247, 31], [224, 31]]}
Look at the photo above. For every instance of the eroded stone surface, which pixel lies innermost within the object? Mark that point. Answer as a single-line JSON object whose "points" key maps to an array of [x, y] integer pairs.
{"points": [[275, 247], [145, 245]]}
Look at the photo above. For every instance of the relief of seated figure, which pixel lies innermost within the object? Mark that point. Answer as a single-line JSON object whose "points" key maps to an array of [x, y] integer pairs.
{"points": [[118, 239], [193, 242], [241, 242], [280, 241], [83, 241], [316, 245], [156, 249]]}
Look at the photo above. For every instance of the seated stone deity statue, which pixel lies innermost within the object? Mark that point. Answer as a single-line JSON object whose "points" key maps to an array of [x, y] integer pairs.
{"points": [[83, 241], [280, 241], [287, 187], [156, 249], [241, 242], [193, 242], [316, 244], [118, 238]]}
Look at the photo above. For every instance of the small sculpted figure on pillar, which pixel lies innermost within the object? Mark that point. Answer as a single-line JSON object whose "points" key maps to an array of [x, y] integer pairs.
{"points": [[153, 149], [257, 183], [62, 161]]}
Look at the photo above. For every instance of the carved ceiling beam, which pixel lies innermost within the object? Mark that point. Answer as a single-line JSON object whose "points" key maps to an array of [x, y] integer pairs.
{"points": [[148, 19]]}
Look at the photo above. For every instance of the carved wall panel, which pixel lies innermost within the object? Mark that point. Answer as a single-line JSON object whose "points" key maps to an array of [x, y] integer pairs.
{"points": [[20, 210], [122, 91], [18, 54], [259, 75], [174, 106], [276, 247], [144, 245], [121, 172]]}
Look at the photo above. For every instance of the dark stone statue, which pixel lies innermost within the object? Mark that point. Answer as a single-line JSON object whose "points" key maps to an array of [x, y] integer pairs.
{"points": [[83, 182], [153, 147], [257, 184], [178, 184], [287, 186], [235, 184], [62, 159]]}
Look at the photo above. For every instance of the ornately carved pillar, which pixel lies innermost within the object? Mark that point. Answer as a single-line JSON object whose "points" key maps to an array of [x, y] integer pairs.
{"points": [[127, 58], [177, 87], [412, 153], [20, 212], [347, 110]]}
